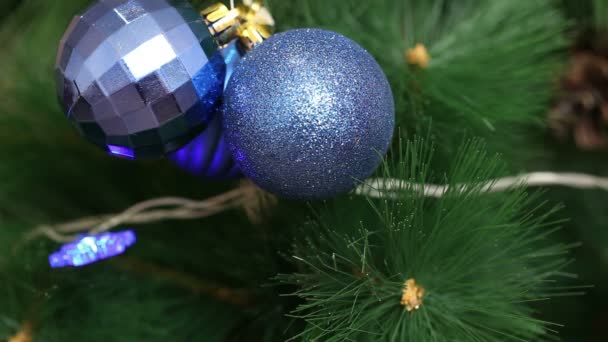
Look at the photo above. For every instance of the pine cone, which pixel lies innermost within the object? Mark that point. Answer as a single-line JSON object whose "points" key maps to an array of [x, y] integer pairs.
{"points": [[582, 111]]}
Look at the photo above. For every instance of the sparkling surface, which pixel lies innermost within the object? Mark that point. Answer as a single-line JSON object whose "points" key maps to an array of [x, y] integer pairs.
{"points": [[90, 249], [208, 155], [139, 75], [308, 113]]}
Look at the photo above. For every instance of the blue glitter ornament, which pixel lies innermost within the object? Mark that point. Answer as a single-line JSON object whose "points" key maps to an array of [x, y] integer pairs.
{"points": [[90, 249], [208, 156], [139, 78], [308, 113]]}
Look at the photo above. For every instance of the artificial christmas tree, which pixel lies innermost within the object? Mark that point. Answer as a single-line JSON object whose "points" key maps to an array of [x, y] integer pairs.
{"points": [[441, 244]]}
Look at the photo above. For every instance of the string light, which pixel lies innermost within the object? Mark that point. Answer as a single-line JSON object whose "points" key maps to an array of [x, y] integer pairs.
{"points": [[155, 210], [92, 248], [390, 188]]}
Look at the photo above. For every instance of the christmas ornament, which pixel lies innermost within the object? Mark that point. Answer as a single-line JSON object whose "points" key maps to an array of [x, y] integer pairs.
{"points": [[207, 155], [139, 78], [582, 111], [92, 248], [307, 114]]}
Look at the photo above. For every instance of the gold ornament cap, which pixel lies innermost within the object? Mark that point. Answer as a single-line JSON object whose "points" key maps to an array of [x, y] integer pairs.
{"points": [[222, 22], [249, 22]]}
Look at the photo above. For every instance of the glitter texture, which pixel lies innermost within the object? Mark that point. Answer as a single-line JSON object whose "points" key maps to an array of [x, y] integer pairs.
{"points": [[208, 156], [142, 76], [90, 249], [308, 113]]}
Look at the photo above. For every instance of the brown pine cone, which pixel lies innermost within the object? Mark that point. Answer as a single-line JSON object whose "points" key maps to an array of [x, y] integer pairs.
{"points": [[582, 111]]}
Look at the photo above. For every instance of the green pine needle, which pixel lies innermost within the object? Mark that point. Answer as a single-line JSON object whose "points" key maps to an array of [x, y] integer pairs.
{"points": [[481, 258], [600, 11]]}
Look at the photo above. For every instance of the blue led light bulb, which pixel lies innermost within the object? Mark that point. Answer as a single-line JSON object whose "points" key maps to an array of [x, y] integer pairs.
{"points": [[92, 248]]}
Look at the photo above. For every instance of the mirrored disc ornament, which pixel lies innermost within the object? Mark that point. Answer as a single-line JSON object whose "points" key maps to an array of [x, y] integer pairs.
{"points": [[139, 78]]}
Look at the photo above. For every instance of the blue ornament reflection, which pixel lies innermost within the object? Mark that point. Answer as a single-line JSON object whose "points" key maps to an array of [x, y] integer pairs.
{"points": [[208, 156]]}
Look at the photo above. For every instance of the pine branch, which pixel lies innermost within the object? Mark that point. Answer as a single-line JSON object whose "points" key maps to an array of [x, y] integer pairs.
{"points": [[505, 51], [600, 10], [479, 261]]}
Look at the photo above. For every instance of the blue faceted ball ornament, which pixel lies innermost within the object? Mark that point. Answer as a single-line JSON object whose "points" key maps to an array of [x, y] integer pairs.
{"points": [[308, 114], [208, 156], [139, 78]]}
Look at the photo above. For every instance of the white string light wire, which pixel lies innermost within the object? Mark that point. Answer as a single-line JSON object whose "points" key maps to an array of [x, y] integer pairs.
{"points": [[383, 188], [175, 208]]}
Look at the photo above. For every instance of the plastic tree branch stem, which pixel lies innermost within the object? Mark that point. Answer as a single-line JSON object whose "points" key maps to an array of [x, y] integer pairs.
{"points": [[238, 297]]}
